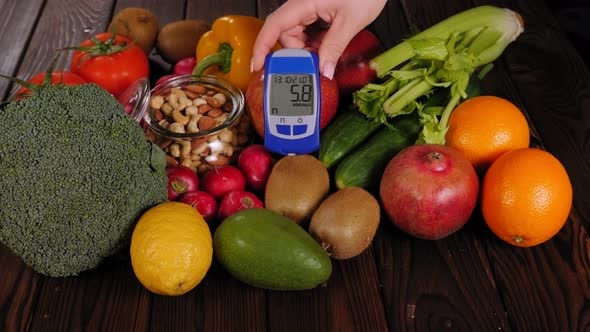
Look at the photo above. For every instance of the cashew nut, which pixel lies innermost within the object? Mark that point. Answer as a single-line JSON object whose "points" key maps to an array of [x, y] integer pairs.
{"points": [[167, 109], [185, 148], [178, 92], [179, 117], [199, 101], [193, 124], [200, 148], [220, 97], [175, 150], [157, 102], [191, 110], [177, 128], [226, 136], [173, 101]]}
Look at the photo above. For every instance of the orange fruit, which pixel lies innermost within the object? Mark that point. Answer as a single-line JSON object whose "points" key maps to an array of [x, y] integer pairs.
{"points": [[526, 197], [485, 127]]}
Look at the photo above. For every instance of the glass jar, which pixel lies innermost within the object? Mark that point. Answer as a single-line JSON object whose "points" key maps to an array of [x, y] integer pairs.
{"points": [[199, 121]]}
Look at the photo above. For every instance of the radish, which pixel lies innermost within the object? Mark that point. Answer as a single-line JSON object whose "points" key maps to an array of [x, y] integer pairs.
{"points": [[221, 180], [184, 66], [203, 202], [256, 163], [235, 201], [181, 179]]}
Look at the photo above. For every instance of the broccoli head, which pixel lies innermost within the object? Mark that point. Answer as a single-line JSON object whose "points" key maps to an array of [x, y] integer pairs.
{"points": [[76, 174]]}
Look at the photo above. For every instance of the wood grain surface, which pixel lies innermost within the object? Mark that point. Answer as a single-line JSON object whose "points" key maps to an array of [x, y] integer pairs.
{"points": [[470, 281]]}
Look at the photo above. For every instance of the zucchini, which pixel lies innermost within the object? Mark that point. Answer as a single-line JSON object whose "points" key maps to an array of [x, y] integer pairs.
{"points": [[364, 167], [348, 129]]}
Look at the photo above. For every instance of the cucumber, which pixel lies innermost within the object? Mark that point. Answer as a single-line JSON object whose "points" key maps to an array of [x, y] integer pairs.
{"points": [[363, 167], [348, 129]]}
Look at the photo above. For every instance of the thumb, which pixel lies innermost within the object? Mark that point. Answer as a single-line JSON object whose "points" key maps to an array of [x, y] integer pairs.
{"points": [[333, 44]]}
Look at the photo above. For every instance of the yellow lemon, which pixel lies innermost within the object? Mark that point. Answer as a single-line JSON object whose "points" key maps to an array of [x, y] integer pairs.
{"points": [[171, 248]]}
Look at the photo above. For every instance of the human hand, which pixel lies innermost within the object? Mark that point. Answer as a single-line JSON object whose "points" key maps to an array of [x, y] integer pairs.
{"points": [[288, 24]]}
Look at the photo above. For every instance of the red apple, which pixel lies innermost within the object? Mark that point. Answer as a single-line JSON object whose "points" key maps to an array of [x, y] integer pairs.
{"points": [[429, 191], [254, 100], [353, 70]]}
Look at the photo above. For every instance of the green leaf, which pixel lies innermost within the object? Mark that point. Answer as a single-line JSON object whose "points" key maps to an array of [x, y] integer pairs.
{"points": [[430, 48]]}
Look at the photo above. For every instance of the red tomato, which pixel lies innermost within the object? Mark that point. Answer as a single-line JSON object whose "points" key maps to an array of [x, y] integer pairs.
{"points": [[57, 77], [112, 64]]}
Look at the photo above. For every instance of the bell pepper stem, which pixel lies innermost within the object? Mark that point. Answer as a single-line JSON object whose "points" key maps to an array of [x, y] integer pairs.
{"points": [[222, 59]]}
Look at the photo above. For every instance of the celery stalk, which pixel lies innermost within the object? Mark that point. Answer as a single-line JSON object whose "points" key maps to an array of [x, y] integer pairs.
{"points": [[499, 19], [442, 57]]}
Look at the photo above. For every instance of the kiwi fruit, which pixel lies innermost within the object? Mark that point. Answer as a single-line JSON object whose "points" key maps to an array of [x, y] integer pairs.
{"points": [[138, 24], [345, 223], [178, 40], [296, 186]]}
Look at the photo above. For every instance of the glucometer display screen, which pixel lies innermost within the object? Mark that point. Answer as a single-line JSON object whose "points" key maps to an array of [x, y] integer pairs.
{"points": [[291, 94]]}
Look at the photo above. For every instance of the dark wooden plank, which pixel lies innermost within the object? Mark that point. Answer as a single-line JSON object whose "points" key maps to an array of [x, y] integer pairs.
{"points": [[18, 16], [265, 7], [231, 305], [63, 23], [18, 291], [209, 10], [350, 301], [108, 298]]}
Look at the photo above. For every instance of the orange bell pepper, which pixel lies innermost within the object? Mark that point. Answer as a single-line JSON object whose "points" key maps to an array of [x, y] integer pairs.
{"points": [[226, 49]]}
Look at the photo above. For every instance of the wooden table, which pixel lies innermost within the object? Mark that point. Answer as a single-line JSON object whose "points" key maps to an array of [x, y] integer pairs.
{"points": [[470, 281]]}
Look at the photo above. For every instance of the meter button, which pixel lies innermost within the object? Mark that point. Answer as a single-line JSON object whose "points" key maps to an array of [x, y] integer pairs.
{"points": [[284, 129], [299, 129]]}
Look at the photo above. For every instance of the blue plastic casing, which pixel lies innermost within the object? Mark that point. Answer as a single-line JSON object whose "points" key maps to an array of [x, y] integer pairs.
{"points": [[292, 134]]}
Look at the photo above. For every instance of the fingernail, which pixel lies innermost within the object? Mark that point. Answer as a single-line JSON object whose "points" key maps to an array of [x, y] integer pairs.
{"points": [[328, 70], [252, 65]]}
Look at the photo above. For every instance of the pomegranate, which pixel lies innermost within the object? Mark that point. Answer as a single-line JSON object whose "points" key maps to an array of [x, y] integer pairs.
{"points": [[429, 191]]}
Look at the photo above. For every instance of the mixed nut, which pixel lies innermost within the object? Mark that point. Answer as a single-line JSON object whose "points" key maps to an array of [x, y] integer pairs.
{"points": [[183, 113]]}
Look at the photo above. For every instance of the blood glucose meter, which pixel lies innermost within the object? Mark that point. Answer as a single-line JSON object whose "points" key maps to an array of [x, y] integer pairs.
{"points": [[291, 102]]}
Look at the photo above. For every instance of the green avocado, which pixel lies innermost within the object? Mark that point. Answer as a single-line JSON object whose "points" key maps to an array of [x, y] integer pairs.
{"points": [[267, 250]]}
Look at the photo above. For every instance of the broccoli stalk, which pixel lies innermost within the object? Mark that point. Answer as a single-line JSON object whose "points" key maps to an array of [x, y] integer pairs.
{"points": [[76, 175]]}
